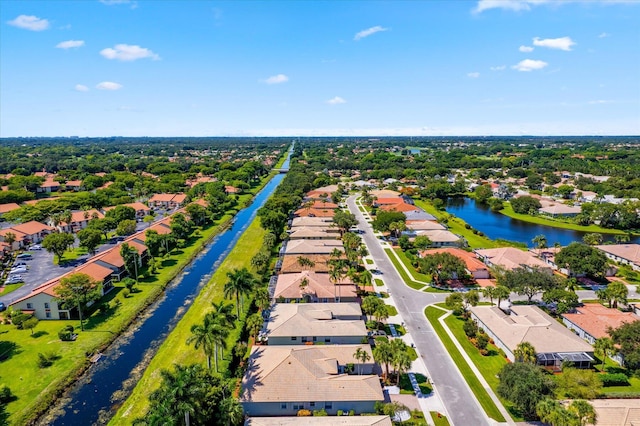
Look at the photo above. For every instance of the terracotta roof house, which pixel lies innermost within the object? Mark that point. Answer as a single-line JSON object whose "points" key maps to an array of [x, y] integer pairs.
{"points": [[324, 191], [312, 287], [510, 258], [626, 254], [73, 185], [384, 193], [27, 233], [592, 321], [49, 185], [41, 301], [8, 207], [389, 200], [113, 260], [322, 205], [167, 201], [527, 323], [560, 209], [306, 247], [311, 221], [400, 207], [290, 263], [302, 323], [320, 421], [311, 212], [475, 267], [281, 380], [141, 209], [231, 189], [424, 225], [79, 220]]}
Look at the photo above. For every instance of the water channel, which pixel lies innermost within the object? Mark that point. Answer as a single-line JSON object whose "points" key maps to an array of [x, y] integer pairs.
{"points": [[94, 399], [496, 225]]}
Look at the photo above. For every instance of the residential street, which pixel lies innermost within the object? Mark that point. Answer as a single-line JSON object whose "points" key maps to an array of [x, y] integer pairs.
{"points": [[462, 407]]}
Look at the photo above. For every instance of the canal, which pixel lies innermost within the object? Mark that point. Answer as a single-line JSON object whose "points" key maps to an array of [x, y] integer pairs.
{"points": [[496, 225], [95, 398]]}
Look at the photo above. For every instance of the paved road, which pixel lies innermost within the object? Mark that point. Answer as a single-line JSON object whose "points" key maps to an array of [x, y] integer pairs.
{"points": [[462, 407]]}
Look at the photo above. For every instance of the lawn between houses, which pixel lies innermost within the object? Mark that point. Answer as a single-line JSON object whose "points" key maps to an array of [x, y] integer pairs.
{"points": [[433, 314], [36, 388], [174, 350]]}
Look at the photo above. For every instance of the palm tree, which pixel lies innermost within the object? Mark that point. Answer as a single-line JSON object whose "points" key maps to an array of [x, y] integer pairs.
{"points": [[540, 241], [362, 356], [261, 298], [546, 408], [178, 390], [231, 411], [240, 282], [254, 324], [365, 278], [10, 238], [622, 238], [383, 354], [402, 363], [603, 346], [592, 239], [489, 292], [223, 313], [584, 411], [201, 336], [525, 352], [305, 262], [381, 312], [502, 292]]}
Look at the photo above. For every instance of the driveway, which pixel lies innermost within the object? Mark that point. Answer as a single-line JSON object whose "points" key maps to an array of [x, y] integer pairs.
{"points": [[462, 406]]}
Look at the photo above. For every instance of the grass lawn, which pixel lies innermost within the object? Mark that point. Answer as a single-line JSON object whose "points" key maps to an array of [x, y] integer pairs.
{"points": [[369, 261], [456, 225], [70, 255], [489, 366], [378, 282], [407, 388], [406, 262], [623, 391], [175, 350], [482, 396], [556, 223], [392, 310], [438, 419], [406, 278], [8, 288]]}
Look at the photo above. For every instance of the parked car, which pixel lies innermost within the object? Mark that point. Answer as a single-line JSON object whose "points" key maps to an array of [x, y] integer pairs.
{"points": [[19, 264], [18, 269], [14, 279], [35, 247], [25, 256], [3, 307], [376, 272]]}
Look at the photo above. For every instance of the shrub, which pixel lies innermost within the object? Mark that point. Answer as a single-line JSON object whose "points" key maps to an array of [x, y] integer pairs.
{"points": [[470, 328], [18, 318], [481, 341], [46, 359], [467, 226], [65, 335], [304, 413], [320, 413], [352, 412], [126, 292], [339, 413], [615, 379], [5, 394]]}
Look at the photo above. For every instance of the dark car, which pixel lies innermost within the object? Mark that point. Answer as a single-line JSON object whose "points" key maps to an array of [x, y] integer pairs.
{"points": [[3, 307]]}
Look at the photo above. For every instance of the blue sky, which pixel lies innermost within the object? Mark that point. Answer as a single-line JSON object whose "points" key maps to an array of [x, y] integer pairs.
{"points": [[210, 68]]}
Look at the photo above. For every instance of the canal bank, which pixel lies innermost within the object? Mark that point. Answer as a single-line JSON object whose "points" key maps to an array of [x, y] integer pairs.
{"points": [[107, 383]]}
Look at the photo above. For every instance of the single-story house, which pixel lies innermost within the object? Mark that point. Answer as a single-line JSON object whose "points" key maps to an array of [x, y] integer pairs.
{"points": [[281, 380], [560, 209], [308, 222], [291, 264], [309, 286], [49, 185], [313, 233], [592, 321], [328, 323], [475, 267], [400, 207], [443, 238], [626, 254], [8, 207], [423, 225], [306, 247], [313, 212], [322, 192], [320, 421], [73, 185], [553, 343], [510, 258]]}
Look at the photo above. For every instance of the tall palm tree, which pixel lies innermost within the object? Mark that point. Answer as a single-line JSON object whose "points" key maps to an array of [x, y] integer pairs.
{"points": [[240, 283], [525, 352], [383, 354], [502, 293], [261, 298], [489, 292], [362, 356], [603, 346], [584, 411], [540, 241], [224, 313], [305, 262], [231, 411], [201, 336], [401, 363], [254, 324]]}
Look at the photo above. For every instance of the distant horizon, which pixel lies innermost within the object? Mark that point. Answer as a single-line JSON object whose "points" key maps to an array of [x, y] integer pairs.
{"points": [[319, 69]]}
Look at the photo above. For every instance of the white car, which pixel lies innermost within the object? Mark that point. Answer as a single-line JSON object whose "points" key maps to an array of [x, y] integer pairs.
{"points": [[18, 269], [14, 279], [35, 247]]}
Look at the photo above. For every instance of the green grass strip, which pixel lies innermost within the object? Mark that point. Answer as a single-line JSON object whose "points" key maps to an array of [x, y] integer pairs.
{"points": [[433, 314], [405, 277], [439, 419], [174, 350]]}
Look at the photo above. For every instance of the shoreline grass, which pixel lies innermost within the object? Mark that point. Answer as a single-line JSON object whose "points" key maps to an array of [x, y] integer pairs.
{"points": [[174, 350], [555, 223], [487, 404]]}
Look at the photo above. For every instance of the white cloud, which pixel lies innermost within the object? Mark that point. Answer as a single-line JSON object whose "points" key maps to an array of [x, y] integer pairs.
{"points": [[127, 52], [562, 43], [525, 49], [336, 101], [498, 68], [603, 35], [529, 65], [600, 102], [70, 44], [473, 74], [277, 79], [369, 31], [81, 88], [109, 85], [30, 22]]}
